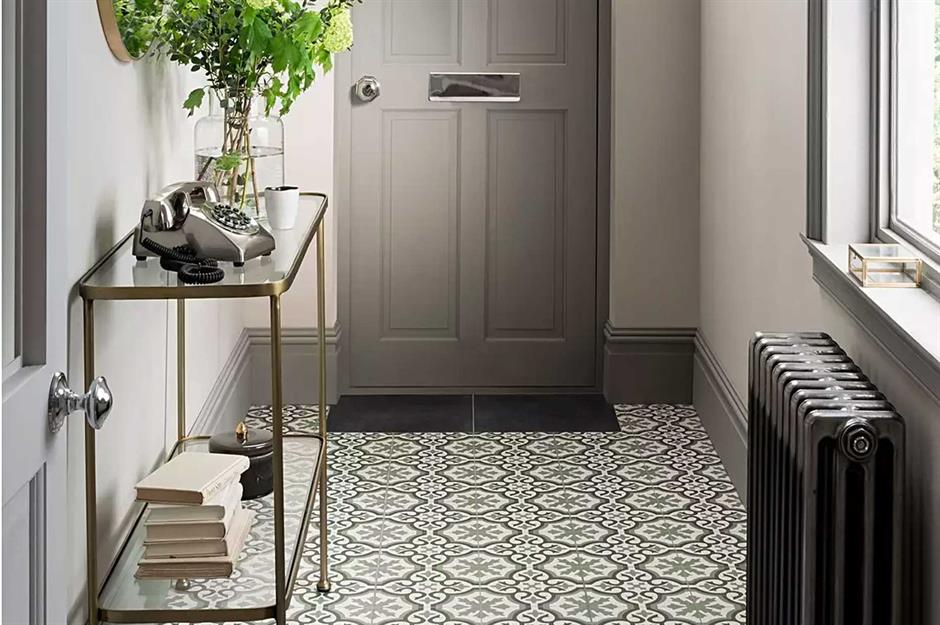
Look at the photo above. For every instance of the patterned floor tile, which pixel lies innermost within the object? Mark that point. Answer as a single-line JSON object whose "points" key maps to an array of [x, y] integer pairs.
{"points": [[696, 607], [633, 527]]}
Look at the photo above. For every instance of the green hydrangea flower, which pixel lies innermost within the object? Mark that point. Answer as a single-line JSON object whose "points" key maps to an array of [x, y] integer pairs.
{"points": [[259, 5], [339, 33]]}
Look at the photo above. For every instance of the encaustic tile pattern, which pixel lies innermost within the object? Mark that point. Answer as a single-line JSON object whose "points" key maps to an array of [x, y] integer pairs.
{"points": [[632, 527]]}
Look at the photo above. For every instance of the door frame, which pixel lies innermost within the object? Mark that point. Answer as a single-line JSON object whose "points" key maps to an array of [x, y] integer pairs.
{"points": [[342, 132]]}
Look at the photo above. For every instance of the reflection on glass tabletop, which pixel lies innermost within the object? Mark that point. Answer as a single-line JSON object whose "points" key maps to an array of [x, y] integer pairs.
{"points": [[119, 275]]}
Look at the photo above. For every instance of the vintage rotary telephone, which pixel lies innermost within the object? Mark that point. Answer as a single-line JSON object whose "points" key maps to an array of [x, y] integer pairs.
{"points": [[190, 230]]}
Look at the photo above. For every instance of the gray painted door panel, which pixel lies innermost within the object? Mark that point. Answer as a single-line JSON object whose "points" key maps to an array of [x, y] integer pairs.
{"points": [[473, 224]]}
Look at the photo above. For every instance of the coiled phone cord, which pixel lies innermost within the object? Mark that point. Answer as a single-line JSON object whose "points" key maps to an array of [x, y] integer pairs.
{"points": [[183, 260]]}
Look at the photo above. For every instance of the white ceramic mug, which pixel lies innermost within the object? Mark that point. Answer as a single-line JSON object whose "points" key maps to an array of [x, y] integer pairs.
{"points": [[281, 206]]}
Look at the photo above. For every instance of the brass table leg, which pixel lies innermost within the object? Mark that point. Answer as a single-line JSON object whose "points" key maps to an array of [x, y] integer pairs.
{"points": [[91, 492], [277, 408], [323, 585], [180, 369]]}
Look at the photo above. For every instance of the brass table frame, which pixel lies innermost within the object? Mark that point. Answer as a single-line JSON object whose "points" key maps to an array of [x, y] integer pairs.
{"points": [[272, 290]]}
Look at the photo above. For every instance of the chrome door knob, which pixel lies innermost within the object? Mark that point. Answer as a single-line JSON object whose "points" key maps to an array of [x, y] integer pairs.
{"points": [[368, 88], [63, 401]]}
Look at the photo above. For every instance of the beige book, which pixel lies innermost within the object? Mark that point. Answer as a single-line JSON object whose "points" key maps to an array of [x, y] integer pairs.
{"points": [[189, 530], [161, 549], [191, 478], [216, 508], [200, 567]]}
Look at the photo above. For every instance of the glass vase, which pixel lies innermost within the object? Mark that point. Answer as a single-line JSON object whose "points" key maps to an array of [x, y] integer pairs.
{"points": [[241, 151]]}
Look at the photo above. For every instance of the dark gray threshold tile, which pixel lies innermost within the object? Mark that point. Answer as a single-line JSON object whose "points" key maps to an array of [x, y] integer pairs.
{"points": [[543, 413], [402, 413]]}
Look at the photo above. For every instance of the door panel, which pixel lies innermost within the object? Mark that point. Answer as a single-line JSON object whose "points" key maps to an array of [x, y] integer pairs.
{"points": [[472, 224], [419, 220], [421, 31], [525, 249], [17, 557], [527, 31]]}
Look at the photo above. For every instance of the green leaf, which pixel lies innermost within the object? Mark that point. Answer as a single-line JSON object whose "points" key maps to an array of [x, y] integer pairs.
{"points": [[228, 20], [228, 162], [194, 100], [279, 53], [308, 26], [260, 36], [271, 94], [262, 31], [249, 15]]}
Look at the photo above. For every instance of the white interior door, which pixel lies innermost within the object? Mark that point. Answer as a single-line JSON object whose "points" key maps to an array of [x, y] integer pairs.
{"points": [[34, 323]]}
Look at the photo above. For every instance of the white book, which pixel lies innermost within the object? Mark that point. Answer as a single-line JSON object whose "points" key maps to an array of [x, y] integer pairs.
{"points": [[200, 567], [189, 530], [162, 549], [191, 478], [217, 507]]}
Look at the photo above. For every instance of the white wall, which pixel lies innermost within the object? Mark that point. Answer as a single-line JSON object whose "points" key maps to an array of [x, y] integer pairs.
{"points": [[127, 137], [755, 272], [654, 164], [308, 132], [753, 177], [847, 92]]}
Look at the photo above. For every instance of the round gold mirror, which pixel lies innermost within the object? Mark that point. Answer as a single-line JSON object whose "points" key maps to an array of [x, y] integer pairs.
{"points": [[130, 26]]}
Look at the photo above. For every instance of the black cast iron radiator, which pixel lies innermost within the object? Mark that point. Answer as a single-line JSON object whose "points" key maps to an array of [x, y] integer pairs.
{"points": [[825, 488]]}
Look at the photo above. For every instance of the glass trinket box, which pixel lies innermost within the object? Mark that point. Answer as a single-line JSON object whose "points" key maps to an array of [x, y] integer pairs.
{"points": [[884, 265]]}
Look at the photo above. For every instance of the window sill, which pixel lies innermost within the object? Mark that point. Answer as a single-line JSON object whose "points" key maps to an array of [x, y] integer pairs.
{"points": [[905, 321], [931, 280]]}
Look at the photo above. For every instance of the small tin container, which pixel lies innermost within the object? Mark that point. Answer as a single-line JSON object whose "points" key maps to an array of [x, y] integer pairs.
{"points": [[258, 446]]}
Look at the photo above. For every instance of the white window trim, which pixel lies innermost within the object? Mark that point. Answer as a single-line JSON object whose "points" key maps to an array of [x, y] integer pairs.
{"points": [[885, 227], [906, 322]]}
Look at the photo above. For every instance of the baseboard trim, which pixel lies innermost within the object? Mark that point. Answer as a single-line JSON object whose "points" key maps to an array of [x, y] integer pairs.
{"points": [[229, 398], [245, 378], [721, 411], [648, 365], [300, 364], [642, 365]]}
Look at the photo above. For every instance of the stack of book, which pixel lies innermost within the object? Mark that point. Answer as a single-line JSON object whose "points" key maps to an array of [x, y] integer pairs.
{"points": [[195, 525]]}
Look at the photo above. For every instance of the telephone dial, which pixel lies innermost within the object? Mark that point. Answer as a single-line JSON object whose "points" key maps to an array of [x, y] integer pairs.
{"points": [[187, 226]]}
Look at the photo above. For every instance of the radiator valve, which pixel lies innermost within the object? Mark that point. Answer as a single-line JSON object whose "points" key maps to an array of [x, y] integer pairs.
{"points": [[858, 440]]}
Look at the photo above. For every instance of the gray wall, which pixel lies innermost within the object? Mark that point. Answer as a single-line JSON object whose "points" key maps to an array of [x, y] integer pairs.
{"points": [[654, 186], [755, 272], [654, 164]]}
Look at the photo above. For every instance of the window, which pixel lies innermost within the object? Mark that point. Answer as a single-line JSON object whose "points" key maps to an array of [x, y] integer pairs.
{"points": [[913, 51]]}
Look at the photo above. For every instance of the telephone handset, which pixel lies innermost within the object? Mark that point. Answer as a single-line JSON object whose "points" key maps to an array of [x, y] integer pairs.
{"points": [[190, 230]]}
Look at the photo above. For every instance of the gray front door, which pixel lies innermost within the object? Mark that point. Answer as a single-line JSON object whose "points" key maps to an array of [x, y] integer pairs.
{"points": [[473, 224]]}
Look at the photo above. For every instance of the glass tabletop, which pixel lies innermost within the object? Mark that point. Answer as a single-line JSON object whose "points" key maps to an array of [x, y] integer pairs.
{"points": [[120, 276], [249, 593]]}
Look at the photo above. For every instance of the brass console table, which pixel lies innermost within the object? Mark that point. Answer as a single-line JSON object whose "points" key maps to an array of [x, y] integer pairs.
{"points": [[124, 599]]}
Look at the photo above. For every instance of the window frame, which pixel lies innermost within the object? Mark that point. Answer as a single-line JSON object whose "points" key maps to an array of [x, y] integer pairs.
{"points": [[885, 225]]}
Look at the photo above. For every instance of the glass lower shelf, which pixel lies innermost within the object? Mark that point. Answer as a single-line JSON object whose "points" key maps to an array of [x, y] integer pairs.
{"points": [[249, 594]]}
